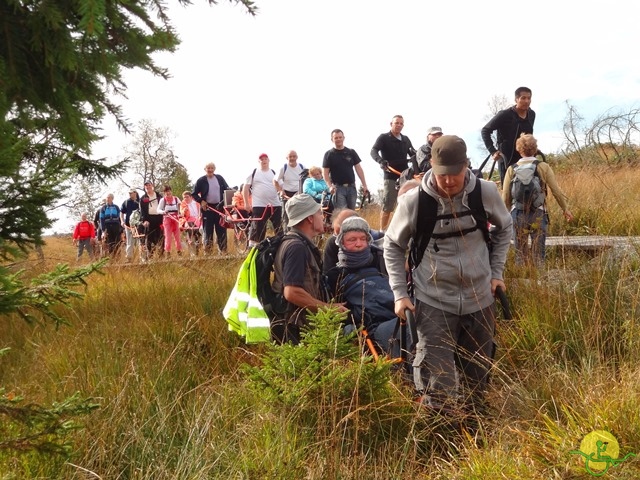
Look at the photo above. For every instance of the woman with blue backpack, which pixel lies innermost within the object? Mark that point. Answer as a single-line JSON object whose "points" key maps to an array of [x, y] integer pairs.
{"points": [[524, 193]]}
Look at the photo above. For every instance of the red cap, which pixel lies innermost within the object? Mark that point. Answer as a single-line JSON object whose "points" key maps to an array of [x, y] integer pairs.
{"points": [[263, 155]]}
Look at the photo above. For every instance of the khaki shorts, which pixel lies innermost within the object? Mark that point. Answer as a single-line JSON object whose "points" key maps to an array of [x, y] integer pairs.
{"points": [[389, 195]]}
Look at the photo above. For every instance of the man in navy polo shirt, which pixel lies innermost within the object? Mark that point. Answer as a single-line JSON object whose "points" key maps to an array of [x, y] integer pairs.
{"points": [[337, 169]]}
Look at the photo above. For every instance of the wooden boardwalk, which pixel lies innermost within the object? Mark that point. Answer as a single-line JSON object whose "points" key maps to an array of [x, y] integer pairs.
{"points": [[593, 242]]}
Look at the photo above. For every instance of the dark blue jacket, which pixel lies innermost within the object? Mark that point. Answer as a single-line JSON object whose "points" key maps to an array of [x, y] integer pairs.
{"points": [[128, 207], [201, 189]]}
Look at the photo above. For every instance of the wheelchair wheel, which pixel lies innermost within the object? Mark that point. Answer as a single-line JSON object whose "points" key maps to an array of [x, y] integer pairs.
{"points": [[241, 239]]}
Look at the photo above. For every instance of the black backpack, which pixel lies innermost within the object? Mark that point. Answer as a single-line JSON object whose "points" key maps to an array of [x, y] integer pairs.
{"points": [[428, 216], [272, 302]]}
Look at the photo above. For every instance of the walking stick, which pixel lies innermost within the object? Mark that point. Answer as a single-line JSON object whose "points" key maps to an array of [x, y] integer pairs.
{"points": [[504, 303], [484, 162]]}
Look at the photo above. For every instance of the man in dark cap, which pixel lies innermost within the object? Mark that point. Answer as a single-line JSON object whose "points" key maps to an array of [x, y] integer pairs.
{"points": [[455, 280]]}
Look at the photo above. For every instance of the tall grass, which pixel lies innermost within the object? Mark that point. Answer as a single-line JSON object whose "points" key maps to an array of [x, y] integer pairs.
{"points": [[149, 344], [603, 202]]}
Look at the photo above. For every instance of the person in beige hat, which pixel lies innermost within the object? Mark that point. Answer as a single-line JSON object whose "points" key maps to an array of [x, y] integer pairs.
{"points": [[423, 155], [298, 269], [454, 282]]}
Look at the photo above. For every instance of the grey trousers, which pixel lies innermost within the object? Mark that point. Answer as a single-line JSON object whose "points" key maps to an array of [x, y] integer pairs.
{"points": [[453, 354]]}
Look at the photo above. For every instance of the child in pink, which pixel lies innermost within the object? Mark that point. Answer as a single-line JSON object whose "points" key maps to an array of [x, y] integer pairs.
{"points": [[169, 207]]}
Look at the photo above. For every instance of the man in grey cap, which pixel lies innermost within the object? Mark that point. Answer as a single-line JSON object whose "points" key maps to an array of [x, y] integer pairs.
{"points": [[419, 163], [456, 279], [423, 155], [298, 269]]}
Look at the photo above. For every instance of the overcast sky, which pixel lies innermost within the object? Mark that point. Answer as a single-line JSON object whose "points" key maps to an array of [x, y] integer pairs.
{"points": [[284, 79]]}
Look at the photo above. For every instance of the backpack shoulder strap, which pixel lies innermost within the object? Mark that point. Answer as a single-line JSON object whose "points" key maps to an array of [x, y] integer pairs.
{"points": [[254, 174], [535, 168], [479, 213], [543, 185], [428, 215], [426, 222]]}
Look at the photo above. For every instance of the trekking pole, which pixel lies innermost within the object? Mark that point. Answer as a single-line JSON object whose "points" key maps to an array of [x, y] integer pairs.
{"points": [[411, 321], [403, 341], [493, 166], [484, 162], [504, 303]]}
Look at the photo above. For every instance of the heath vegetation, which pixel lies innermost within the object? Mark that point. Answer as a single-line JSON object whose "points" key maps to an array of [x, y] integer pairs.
{"points": [[157, 388]]}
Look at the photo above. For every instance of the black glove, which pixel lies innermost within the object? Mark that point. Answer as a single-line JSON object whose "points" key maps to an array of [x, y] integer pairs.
{"points": [[384, 165]]}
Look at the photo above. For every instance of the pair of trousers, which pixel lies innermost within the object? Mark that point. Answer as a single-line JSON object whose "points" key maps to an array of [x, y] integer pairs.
{"points": [[153, 239], [171, 232], [112, 232], [529, 224], [258, 229], [453, 354], [345, 197], [211, 223], [83, 245], [131, 241]]}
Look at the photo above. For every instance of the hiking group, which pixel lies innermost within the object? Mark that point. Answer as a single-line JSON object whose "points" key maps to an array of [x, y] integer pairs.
{"points": [[440, 252], [154, 223]]}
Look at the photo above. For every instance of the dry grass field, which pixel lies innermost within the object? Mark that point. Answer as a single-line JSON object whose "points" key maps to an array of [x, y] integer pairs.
{"points": [[149, 346]]}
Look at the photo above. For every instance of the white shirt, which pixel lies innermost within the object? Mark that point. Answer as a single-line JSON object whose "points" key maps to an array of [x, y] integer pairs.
{"points": [[263, 191], [290, 179]]}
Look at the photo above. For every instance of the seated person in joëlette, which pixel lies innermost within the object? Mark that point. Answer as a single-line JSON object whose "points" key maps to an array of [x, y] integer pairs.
{"points": [[360, 280]]}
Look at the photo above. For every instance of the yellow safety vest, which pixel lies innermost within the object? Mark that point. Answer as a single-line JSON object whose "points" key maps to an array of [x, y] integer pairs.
{"points": [[243, 311]]}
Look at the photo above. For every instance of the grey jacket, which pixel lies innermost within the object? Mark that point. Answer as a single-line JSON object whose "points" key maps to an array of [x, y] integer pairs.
{"points": [[456, 276]]}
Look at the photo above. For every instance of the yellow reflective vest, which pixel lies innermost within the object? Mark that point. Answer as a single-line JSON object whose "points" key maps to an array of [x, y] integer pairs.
{"points": [[243, 311]]}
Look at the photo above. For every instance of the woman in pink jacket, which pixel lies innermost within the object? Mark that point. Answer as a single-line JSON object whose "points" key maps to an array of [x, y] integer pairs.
{"points": [[169, 207]]}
